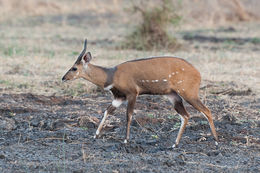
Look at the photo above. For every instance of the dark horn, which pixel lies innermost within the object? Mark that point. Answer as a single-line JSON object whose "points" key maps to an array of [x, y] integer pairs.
{"points": [[85, 44], [84, 50]]}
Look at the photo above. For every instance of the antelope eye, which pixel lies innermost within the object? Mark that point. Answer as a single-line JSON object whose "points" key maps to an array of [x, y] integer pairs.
{"points": [[74, 69]]}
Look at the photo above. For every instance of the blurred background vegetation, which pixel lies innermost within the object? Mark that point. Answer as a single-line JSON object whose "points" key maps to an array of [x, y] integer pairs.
{"points": [[40, 39]]}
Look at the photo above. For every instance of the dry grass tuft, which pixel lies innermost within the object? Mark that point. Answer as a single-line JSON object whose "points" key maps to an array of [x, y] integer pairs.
{"points": [[152, 32]]}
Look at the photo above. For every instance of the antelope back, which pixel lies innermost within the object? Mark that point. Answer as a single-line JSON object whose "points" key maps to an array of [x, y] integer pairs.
{"points": [[158, 75]]}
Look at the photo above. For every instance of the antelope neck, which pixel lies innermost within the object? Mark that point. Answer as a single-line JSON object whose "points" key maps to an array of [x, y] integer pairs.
{"points": [[100, 76]]}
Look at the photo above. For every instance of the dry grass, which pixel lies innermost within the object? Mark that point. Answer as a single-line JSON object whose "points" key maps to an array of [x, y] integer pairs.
{"points": [[18, 9], [203, 12], [35, 61], [34, 57], [37, 48]]}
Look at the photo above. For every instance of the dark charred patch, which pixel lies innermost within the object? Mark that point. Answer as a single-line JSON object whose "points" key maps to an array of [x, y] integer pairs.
{"points": [[50, 100], [62, 129], [17, 110]]}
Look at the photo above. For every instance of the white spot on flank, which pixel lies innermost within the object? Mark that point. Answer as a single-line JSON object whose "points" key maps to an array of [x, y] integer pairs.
{"points": [[177, 72], [178, 91], [147, 80], [117, 103], [170, 76], [182, 69], [173, 73], [179, 81], [156, 80], [109, 87], [165, 80], [183, 89], [153, 80], [143, 80]]}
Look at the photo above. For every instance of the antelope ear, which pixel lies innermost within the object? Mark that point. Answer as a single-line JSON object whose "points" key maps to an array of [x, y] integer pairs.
{"points": [[86, 57]]}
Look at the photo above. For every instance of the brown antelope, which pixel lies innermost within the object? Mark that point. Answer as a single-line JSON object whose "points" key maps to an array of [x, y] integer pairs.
{"points": [[172, 77]]}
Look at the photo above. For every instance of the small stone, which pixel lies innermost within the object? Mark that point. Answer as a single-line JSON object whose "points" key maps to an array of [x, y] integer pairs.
{"points": [[2, 156]]}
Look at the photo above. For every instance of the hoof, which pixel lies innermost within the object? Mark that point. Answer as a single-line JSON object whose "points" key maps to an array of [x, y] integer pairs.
{"points": [[96, 135]]}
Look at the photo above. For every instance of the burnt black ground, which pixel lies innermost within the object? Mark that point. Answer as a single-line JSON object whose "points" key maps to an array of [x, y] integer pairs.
{"points": [[55, 134]]}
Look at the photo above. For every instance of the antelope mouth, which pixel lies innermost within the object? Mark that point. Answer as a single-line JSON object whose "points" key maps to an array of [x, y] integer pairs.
{"points": [[64, 79]]}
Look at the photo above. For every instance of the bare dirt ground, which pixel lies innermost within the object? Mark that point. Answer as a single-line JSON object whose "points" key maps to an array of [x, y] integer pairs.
{"points": [[48, 126], [52, 133]]}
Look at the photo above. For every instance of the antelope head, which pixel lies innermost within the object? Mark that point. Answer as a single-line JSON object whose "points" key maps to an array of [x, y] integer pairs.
{"points": [[80, 66]]}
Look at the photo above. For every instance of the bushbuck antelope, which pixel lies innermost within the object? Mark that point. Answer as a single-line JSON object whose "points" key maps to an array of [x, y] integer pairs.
{"points": [[172, 77]]}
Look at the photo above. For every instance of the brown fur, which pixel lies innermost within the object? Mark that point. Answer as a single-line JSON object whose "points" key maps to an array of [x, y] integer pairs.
{"points": [[170, 76]]}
